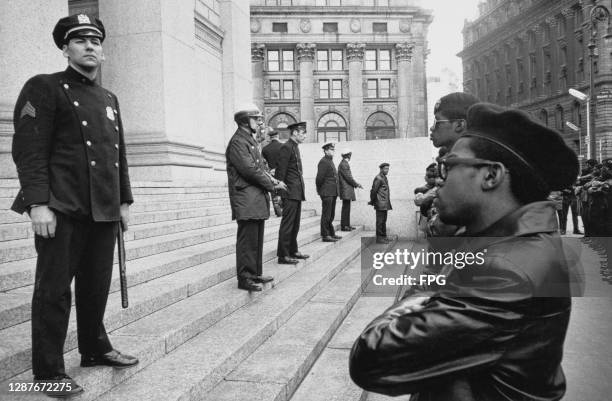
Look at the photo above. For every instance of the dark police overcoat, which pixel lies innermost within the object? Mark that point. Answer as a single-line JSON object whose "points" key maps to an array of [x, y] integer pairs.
{"points": [[289, 170], [271, 152], [346, 182], [247, 182], [327, 178], [69, 147]]}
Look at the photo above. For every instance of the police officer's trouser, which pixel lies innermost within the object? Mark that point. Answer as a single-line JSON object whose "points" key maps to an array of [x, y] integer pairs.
{"points": [[289, 228], [249, 248], [328, 212], [83, 250]]}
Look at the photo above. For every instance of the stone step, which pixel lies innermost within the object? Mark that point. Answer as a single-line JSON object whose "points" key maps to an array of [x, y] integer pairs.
{"points": [[282, 361], [216, 190], [329, 378], [151, 205], [209, 243], [196, 305], [15, 353], [23, 249], [8, 217], [170, 197], [22, 229], [197, 366]]}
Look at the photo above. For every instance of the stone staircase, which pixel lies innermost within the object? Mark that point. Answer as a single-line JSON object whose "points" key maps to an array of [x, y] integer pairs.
{"points": [[197, 336]]}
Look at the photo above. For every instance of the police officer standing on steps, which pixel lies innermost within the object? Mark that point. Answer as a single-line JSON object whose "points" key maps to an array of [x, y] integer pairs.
{"points": [[271, 152], [346, 189], [327, 188], [248, 185], [289, 169], [380, 198], [70, 155]]}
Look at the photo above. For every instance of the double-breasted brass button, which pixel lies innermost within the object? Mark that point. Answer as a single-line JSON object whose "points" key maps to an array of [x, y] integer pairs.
{"points": [[116, 146], [116, 165], [66, 86], [76, 103], [93, 163], [84, 123], [88, 143]]}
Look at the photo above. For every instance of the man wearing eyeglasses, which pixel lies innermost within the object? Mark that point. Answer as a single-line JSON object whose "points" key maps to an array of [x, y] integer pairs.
{"points": [[495, 330]]}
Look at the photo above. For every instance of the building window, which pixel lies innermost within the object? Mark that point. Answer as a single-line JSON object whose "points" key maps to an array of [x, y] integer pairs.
{"points": [[328, 2], [273, 60], [280, 122], [331, 127], [372, 88], [336, 60], [370, 60], [379, 27], [323, 89], [330, 27], [280, 58], [378, 60], [322, 60], [384, 60], [380, 125], [274, 89], [287, 60], [279, 27], [336, 92], [276, 92], [384, 90]]}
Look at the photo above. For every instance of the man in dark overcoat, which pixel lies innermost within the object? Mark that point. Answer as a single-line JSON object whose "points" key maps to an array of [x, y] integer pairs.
{"points": [[271, 152], [346, 190], [69, 150], [289, 170], [327, 188], [248, 185], [380, 198], [494, 328]]}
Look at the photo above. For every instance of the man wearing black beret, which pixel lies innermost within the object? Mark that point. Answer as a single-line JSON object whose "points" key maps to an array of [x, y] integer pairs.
{"points": [[495, 330]]}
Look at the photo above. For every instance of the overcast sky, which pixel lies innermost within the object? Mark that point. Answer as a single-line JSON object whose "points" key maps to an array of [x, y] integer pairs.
{"points": [[445, 38]]}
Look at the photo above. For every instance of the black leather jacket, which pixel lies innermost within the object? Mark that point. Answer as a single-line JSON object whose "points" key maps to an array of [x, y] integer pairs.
{"points": [[493, 332]]}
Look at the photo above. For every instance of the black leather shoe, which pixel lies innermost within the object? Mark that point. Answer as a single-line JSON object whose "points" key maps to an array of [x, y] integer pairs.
{"points": [[346, 228], [286, 260], [578, 232], [114, 358], [336, 237], [63, 385], [263, 279], [329, 239], [249, 285], [352, 228], [299, 255]]}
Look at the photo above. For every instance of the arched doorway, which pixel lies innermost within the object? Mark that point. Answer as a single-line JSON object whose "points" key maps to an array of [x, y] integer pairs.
{"points": [[331, 128], [280, 122], [380, 125]]}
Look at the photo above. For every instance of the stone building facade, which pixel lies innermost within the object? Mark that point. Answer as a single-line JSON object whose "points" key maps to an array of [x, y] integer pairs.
{"points": [[179, 69], [529, 53], [352, 69]]}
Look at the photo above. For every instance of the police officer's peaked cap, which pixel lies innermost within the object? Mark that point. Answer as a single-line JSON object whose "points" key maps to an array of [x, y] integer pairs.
{"points": [[272, 133], [346, 152], [245, 112], [455, 105], [537, 147], [329, 145], [383, 165], [77, 25], [300, 125]]}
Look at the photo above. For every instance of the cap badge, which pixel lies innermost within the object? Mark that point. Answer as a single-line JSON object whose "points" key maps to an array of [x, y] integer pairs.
{"points": [[110, 113], [83, 19]]}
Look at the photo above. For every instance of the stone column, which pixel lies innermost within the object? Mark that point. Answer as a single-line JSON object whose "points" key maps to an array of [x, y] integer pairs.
{"points": [[257, 61], [405, 91], [26, 49], [305, 54], [354, 55]]}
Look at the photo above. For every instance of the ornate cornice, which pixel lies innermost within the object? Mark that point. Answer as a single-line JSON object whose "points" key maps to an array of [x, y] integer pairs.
{"points": [[355, 51], [257, 52], [403, 51], [305, 51]]}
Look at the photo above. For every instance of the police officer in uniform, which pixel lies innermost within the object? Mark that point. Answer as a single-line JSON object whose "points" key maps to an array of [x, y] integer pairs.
{"points": [[380, 198], [346, 189], [70, 155], [327, 188], [248, 185], [271, 152], [289, 170]]}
